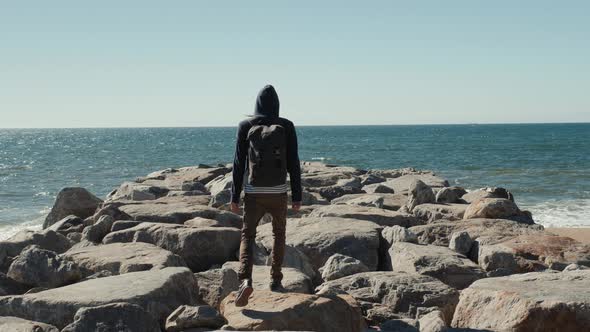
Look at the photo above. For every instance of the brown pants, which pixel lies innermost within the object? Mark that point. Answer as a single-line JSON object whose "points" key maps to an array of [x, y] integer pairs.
{"points": [[255, 206]]}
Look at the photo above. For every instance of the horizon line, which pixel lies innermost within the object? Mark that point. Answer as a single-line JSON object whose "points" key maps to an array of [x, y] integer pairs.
{"points": [[316, 125]]}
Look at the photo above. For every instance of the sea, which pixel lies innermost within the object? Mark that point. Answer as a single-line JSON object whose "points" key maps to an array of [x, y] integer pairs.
{"points": [[545, 166]]}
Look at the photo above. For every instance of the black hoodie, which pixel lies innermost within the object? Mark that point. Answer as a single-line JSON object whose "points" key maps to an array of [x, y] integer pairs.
{"points": [[266, 110]]}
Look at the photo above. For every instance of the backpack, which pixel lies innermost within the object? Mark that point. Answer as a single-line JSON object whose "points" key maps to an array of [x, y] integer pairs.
{"points": [[267, 155]]}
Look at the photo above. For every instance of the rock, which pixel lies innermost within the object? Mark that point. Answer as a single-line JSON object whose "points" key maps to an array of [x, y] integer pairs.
{"points": [[216, 284], [95, 233], [433, 212], [293, 280], [354, 182], [335, 191], [200, 247], [283, 311], [204, 222], [396, 173], [378, 216], [419, 193], [136, 192], [394, 234], [461, 242], [72, 201], [186, 317], [378, 188], [450, 195], [384, 201], [488, 192], [39, 267], [219, 184], [173, 179], [367, 179], [402, 184], [9, 286], [338, 266], [321, 175], [439, 262], [75, 237], [528, 302], [69, 224], [398, 325], [193, 186], [532, 252], [124, 224], [220, 199], [439, 233], [497, 208], [15, 324], [433, 322], [113, 317], [177, 211], [158, 292], [46, 239], [119, 258], [320, 238], [575, 267], [403, 293]]}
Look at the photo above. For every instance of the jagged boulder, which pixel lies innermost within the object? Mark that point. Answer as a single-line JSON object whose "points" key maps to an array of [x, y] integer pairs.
{"points": [[442, 263], [320, 238], [9, 286], [488, 192], [158, 292], [284, 311], [461, 242], [394, 234], [46, 239], [188, 317], [538, 301], [216, 284], [96, 232], [401, 293], [174, 179], [419, 193], [378, 188], [67, 225], [497, 208], [113, 317], [38, 267], [72, 201], [378, 216], [200, 247], [380, 200], [120, 258], [134, 191], [433, 212], [338, 266], [15, 324], [402, 184], [450, 195]]}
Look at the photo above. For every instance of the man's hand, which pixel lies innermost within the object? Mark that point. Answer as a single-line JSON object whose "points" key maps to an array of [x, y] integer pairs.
{"points": [[235, 208], [296, 206]]}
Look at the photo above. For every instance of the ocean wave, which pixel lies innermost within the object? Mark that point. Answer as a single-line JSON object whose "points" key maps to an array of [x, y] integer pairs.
{"points": [[561, 213], [7, 231]]}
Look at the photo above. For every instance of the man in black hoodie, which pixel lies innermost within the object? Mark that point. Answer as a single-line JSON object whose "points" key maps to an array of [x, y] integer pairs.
{"points": [[262, 199]]}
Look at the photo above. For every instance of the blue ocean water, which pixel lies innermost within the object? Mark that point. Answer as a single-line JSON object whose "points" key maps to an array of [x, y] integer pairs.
{"points": [[546, 166]]}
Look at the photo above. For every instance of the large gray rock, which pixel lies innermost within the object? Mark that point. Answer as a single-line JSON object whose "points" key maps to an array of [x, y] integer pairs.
{"points": [[315, 174], [402, 184], [394, 234], [216, 284], [378, 188], [177, 211], [97, 231], [497, 208], [284, 311], [120, 258], [440, 232], [433, 321], [69, 224], [433, 212], [540, 301], [320, 238], [38, 267], [9, 286], [134, 191], [461, 242], [331, 192], [380, 217], [380, 200], [293, 280], [158, 292], [220, 189], [187, 317], [47, 239], [15, 324], [174, 179], [488, 192], [419, 193], [450, 195], [339, 266], [402, 293], [72, 201], [442, 263], [113, 317], [200, 247]]}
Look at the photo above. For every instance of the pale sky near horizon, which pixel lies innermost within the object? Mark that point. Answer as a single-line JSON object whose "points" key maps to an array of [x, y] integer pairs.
{"points": [[201, 63]]}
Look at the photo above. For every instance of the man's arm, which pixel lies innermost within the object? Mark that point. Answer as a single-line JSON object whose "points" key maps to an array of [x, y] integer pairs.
{"points": [[293, 166], [239, 163]]}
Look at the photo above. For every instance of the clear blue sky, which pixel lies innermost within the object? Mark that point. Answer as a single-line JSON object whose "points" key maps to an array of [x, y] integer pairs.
{"points": [[201, 63]]}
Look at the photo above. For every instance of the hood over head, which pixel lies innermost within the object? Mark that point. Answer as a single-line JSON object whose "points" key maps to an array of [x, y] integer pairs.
{"points": [[267, 103]]}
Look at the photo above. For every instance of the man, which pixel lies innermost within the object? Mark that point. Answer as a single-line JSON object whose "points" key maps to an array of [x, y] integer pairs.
{"points": [[266, 150]]}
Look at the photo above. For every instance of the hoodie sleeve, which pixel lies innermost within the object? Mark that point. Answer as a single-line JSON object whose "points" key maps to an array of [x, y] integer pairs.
{"points": [[239, 163], [293, 165]]}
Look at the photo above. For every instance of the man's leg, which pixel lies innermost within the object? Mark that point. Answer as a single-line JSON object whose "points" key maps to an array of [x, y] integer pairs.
{"points": [[278, 209], [252, 214]]}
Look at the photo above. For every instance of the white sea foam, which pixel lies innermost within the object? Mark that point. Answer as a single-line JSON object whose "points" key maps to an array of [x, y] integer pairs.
{"points": [[7, 231], [561, 213]]}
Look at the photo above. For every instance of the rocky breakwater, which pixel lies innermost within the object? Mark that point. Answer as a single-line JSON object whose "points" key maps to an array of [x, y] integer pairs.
{"points": [[388, 250]]}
